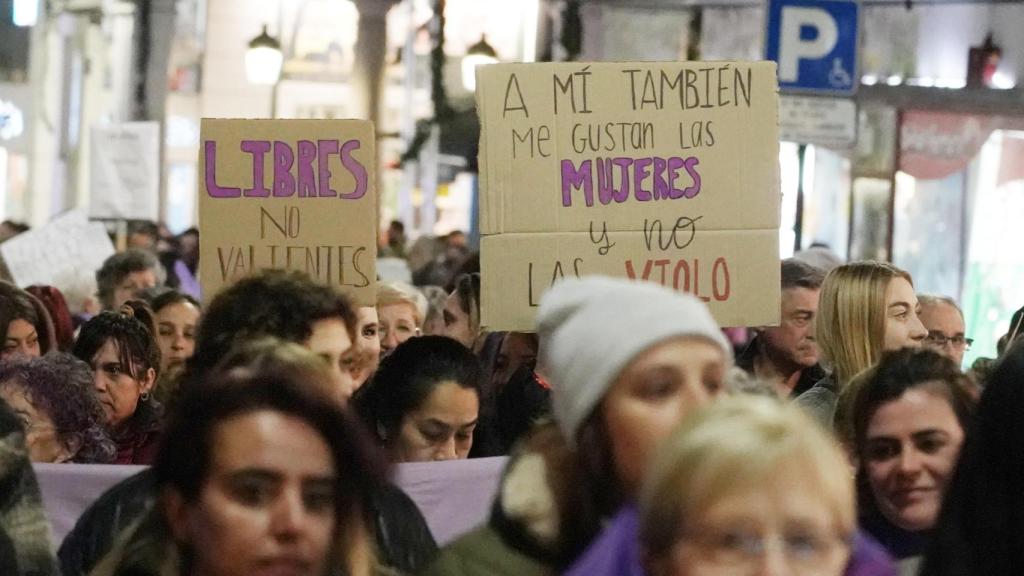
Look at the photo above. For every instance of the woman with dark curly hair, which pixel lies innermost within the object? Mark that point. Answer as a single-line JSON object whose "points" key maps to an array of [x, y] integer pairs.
{"points": [[125, 360], [63, 420], [24, 324]]}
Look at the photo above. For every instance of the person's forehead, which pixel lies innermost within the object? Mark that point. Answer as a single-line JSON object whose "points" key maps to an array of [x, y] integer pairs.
{"points": [[138, 276], [941, 316], [270, 440], [396, 310], [800, 296]]}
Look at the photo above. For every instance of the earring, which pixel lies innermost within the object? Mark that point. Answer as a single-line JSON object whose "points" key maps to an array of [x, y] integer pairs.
{"points": [[144, 397]]}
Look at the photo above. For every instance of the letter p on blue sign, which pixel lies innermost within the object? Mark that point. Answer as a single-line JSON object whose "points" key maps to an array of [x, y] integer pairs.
{"points": [[814, 43]]}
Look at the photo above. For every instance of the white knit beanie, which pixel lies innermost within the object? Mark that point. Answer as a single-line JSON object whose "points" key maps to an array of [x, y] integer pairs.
{"points": [[591, 328]]}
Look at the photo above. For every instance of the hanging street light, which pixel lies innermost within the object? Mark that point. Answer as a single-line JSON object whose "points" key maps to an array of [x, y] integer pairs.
{"points": [[478, 54], [263, 59]]}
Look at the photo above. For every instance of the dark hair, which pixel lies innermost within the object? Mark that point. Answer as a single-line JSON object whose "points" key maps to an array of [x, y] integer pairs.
{"points": [[118, 266], [170, 297], [907, 369], [408, 375], [185, 457], [16, 227], [799, 274], [17, 304], [60, 385], [145, 227], [60, 315], [273, 303], [467, 292], [981, 528], [132, 329]]}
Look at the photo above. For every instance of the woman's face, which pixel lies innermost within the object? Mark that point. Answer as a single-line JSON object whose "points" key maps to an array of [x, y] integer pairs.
{"points": [[176, 335], [330, 340], [516, 349], [367, 344], [456, 322], [397, 324], [779, 528], [441, 428], [41, 438], [910, 449], [903, 328], [651, 397], [268, 504], [116, 389], [21, 340]]}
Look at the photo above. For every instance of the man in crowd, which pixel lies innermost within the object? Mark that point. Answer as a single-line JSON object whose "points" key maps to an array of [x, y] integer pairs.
{"points": [[126, 274], [787, 355], [945, 324]]}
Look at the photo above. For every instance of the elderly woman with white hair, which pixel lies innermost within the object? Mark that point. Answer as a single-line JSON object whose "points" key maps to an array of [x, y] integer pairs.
{"points": [[401, 309]]}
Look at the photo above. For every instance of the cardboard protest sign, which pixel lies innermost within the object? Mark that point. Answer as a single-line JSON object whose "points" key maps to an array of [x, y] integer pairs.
{"points": [[291, 194], [666, 172], [65, 253], [124, 171]]}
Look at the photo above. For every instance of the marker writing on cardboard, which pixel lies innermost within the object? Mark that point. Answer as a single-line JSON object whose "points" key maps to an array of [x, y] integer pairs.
{"points": [[706, 87], [557, 273], [333, 264], [306, 182], [602, 239], [685, 276], [616, 179]]}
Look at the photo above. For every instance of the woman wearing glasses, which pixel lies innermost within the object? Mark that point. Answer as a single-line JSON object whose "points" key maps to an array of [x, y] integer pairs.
{"points": [[748, 486]]}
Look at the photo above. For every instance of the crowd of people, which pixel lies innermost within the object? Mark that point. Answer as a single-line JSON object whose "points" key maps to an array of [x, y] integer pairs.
{"points": [[640, 438]]}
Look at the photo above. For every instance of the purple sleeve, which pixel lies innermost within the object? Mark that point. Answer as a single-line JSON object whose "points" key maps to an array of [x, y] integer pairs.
{"points": [[615, 552], [869, 558]]}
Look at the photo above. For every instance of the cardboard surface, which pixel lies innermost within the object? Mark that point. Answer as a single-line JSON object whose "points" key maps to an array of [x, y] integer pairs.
{"points": [[124, 174], [292, 194], [599, 163]]}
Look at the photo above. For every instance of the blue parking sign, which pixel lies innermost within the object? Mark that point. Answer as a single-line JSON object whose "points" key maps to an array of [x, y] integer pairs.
{"points": [[814, 43]]}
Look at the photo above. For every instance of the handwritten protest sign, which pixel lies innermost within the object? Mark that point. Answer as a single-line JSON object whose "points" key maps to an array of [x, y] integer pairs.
{"points": [[124, 173], [64, 253], [291, 194], [666, 172]]}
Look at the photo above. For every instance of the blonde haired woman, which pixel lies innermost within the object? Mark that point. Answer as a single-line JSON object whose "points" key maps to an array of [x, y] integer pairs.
{"points": [[401, 309], [865, 308], [748, 485]]}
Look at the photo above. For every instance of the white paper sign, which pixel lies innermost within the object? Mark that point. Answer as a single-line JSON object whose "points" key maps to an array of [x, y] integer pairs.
{"points": [[65, 253], [830, 122], [125, 171]]}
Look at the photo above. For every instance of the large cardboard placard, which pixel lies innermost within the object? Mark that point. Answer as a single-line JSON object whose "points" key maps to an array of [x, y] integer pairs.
{"points": [[291, 194], [660, 171], [124, 171]]}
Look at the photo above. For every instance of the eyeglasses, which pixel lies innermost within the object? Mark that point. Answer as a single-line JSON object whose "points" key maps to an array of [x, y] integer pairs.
{"points": [[806, 554], [958, 342]]}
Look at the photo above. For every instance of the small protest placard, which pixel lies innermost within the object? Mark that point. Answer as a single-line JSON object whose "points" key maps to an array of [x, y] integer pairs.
{"points": [[66, 253], [289, 194], [666, 172], [124, 171]]}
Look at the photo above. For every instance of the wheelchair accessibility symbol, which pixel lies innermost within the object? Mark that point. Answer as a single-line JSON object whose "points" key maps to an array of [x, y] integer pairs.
{"points": [[839, 78]]}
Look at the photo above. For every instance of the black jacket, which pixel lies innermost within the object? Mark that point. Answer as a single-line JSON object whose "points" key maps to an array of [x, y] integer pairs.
{"points": [[403, 539]]}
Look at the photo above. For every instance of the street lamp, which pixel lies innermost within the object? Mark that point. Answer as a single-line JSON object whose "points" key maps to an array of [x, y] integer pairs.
{"points": [[263, 59], [477, 55]]}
